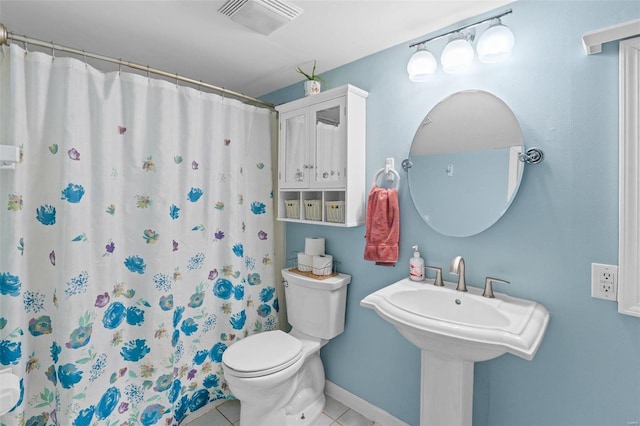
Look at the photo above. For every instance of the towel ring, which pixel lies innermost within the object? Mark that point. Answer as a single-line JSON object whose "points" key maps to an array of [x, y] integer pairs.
{"points": [[392, 176]]}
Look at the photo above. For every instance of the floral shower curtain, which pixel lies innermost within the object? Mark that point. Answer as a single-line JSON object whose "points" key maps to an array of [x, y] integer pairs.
{"points": [[135, 240]]}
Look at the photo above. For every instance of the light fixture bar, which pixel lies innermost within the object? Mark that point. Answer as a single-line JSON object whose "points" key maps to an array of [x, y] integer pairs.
{"points": [[506, 12]]}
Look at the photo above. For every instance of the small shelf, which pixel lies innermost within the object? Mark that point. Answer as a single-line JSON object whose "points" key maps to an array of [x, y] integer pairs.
{"points": [[592, 41], [317, 207]]}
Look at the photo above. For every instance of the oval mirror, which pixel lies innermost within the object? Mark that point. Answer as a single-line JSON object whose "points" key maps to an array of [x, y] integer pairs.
{"points": [[465, 160]]}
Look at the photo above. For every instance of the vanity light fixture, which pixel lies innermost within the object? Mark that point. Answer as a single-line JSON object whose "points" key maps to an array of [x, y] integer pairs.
{"points": [[458, 53], [422, 65], [494, 45]]}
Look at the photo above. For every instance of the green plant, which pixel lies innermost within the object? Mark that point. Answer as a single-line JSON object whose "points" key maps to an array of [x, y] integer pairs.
{"points": [[313, 75]]}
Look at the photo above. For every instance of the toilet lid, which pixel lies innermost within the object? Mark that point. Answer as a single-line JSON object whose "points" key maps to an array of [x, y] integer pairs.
{"points": [[262, 354]]}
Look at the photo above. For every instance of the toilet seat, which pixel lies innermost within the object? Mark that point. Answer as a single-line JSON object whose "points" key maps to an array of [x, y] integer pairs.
{"points": [[262, 354]]}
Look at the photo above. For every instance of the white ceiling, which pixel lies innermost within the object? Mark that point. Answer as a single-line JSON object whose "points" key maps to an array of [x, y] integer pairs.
{"points": [[192, 39]]}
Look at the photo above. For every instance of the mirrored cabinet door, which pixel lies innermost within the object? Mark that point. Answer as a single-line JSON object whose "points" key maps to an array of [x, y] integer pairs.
{"points": [[330, 144], [294, 144]]}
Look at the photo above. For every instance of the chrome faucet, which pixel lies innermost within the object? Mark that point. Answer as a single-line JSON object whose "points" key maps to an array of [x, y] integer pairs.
{"points": [[457, 268]]}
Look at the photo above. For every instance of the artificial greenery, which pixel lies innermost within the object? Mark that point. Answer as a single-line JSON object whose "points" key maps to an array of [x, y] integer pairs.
{"points": [[313, 75]]}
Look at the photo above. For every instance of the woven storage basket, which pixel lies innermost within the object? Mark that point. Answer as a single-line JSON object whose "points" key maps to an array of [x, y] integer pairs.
{"points": [[313, 209], [334, 211], [293, 209]]}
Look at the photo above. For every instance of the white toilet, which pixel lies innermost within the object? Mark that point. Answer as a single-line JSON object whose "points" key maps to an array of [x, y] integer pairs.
{"points": [[279, 377]]}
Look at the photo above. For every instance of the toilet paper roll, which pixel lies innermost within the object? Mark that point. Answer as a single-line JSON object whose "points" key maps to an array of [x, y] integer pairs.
{"points": [[323, 264], [305, 262], [314, 246]]}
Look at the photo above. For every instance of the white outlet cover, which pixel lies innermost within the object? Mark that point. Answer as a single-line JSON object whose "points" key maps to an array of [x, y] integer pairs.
{"points": [[604, 281]]}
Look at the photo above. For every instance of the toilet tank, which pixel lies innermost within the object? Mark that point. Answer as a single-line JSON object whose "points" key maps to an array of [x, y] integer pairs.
{"points": [[316, 307]]}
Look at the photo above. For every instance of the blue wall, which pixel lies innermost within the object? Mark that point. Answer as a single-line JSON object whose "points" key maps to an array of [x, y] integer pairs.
{"points": [[587, 371]]}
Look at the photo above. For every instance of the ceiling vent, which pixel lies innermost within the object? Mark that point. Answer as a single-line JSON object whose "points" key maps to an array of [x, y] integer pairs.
{"points": [[263, 16]]}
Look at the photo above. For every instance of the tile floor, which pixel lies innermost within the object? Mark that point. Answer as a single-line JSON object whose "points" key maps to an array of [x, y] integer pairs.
{"points": [[335, 414]]}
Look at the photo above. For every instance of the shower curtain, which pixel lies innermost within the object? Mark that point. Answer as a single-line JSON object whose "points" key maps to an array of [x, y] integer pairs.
{"points": [[136, 241]]}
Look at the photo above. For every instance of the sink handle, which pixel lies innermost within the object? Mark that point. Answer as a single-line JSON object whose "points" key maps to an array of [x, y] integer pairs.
{"points": [[488, 289], [438, 281]]}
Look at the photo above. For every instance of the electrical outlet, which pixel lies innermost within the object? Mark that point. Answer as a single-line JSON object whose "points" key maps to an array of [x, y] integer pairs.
{"points": [[604, 281]]}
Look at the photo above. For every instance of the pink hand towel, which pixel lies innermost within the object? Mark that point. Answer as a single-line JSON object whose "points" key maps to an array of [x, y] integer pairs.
{"points": [[382, 226]]}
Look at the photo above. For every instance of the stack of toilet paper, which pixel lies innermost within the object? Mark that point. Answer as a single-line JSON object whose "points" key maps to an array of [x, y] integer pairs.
{"points": [[314, 259]]}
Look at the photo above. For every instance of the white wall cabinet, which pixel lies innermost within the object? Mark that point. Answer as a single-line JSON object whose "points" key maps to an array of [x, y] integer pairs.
{"points": [[321, 158]]}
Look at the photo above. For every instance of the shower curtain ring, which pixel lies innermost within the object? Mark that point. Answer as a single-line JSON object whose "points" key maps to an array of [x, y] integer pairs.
{"points": [[119, 65], [148, 73], [200, 86], [53, 51], [177, 80], [85, 58], [26, 45]]}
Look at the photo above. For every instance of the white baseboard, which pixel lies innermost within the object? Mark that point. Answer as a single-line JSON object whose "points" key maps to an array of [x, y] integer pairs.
{"points": [[363, 407], [203, 411]]}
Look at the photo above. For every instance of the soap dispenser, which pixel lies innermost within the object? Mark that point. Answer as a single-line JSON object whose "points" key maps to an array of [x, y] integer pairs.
{"points": [[416, 266]]}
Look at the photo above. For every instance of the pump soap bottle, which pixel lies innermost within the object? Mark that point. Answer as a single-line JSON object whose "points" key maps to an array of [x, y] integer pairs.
{"points": [[416, 266]]}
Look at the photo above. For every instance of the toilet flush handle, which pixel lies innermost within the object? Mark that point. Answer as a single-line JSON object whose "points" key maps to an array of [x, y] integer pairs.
{"points": [[285, 283]]}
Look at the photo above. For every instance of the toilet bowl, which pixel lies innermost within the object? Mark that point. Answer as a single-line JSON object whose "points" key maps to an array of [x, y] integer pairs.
{"points": [[279, 377]]}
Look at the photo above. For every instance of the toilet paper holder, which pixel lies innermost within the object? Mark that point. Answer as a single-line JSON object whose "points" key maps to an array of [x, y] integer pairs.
{"points": [[9, 156]]}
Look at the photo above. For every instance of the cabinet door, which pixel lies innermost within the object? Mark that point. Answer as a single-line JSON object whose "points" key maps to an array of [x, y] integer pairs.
{"points": [[329, 137], [294, 150]]}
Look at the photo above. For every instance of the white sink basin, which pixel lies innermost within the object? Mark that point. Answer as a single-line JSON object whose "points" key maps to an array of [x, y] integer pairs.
{"points": [[461, 308], [454, 330], [458, 325]]}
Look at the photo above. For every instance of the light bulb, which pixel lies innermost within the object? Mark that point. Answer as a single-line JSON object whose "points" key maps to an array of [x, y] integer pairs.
{"points": [[422, 65], [496, 43], [457, 55]]}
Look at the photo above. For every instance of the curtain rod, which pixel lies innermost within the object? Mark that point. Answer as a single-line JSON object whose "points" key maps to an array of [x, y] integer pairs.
{"points": [[5, 36]]}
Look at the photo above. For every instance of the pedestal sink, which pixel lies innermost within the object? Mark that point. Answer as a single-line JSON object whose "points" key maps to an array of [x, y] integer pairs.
{"points": [[454, 330]]}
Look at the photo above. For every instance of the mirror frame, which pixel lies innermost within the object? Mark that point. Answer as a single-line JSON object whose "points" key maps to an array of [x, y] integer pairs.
{"points": [[629, 213]]}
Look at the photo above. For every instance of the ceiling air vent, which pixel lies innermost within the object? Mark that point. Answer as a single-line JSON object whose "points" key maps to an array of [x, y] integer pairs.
{"points": [[263, 16]]}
